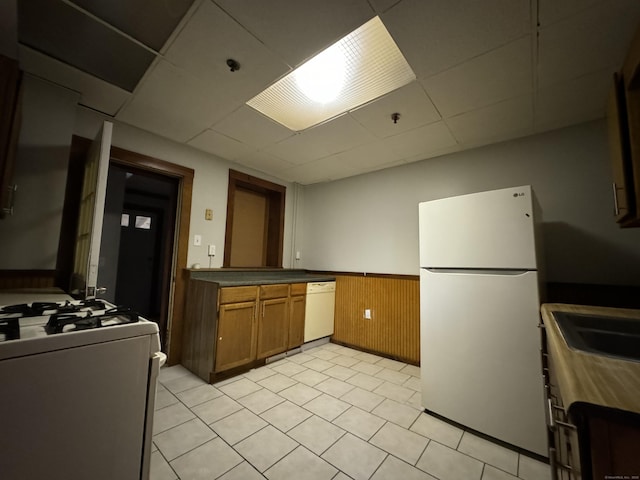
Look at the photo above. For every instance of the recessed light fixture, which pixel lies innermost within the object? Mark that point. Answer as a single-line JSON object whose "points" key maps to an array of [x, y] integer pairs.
{"points": [[360, 67]]}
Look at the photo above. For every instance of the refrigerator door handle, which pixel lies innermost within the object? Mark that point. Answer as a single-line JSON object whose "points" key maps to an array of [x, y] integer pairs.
{"points": [[480, 271]]}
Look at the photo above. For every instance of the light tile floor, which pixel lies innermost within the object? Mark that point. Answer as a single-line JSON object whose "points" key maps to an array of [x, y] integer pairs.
{"points": [[328, 413]]}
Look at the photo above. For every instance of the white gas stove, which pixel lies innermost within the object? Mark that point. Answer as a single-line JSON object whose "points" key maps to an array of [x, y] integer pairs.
{"points": [[80, 375]]}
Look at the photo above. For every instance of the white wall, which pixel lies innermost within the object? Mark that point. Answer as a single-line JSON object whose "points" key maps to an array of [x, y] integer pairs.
{"points": [[369, 223], [29, 238], [210, 183]]}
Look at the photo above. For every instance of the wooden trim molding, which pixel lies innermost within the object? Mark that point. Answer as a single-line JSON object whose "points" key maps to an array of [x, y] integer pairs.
{"points": [[184, 175], [275, 195], [185, 192]]}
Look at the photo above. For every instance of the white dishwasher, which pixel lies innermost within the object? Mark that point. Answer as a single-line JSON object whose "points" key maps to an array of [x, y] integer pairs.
{"points": [[319, 312]]}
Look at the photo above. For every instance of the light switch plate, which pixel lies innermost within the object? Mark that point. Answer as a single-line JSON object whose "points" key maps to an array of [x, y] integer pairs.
{"points": [[197, 240]]}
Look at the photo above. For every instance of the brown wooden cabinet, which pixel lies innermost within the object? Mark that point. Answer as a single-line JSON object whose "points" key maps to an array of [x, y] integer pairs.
{"points": [[231, 328], [10, 81], [297, 304], [623, 116], [237, 327], [236, 345], [586, 441]]}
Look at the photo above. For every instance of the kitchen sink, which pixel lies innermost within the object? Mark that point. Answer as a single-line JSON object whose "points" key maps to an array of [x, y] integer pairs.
{"points": [[602, 335]]}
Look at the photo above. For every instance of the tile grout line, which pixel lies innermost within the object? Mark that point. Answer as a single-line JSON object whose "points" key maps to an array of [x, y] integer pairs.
{"points": [[312, 414]]}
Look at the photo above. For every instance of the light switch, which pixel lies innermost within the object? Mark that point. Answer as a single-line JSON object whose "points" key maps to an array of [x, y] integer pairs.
{"points": [[208, 214], [197, 240]]}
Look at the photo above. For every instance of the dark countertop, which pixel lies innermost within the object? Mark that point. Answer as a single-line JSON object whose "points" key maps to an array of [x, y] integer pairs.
{"points": [[236, 278]]}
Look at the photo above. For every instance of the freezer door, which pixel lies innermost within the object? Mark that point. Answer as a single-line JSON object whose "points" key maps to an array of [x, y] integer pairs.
{"points": [[480, 358], [482, 230]]}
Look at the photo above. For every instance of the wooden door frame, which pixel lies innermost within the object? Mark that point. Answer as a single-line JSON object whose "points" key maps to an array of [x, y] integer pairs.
{"points": [[275, 195], [184, 175]]}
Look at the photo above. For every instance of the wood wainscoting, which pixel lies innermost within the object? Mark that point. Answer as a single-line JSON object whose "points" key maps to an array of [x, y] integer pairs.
{"points": [[20, 279], [394, 328]]}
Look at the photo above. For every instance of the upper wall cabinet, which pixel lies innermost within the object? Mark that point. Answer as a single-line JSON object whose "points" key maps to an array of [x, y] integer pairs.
{"points": [[10, 78], [623, 114]]}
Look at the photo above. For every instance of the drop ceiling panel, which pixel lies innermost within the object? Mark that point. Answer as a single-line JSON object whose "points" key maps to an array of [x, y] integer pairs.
{"points": [[382, 6], [410, 101], [498, 75], [574, 101], [434, 36], [323, 170], [589, 41], [508, 119], [134, 17], [208, 39], [248, 126], [54, 28], [340, 134], [369, 156], [264, 162], [299, 149], [422, 141], [175, 104], [94, 93], [550, 11], [219, 145], [298, 30]]}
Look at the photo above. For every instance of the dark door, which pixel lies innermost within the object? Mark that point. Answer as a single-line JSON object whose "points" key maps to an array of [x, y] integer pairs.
{"points": [[142, 229], [139, 261]]}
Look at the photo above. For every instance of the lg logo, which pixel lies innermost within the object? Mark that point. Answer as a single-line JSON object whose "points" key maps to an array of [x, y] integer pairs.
{"points": [[521, 194]]}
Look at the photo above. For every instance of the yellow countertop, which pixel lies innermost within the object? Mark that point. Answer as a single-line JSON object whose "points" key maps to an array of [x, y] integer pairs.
{"points": [[590, 378]]}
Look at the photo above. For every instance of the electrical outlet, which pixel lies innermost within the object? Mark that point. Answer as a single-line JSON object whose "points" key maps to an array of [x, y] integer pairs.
{"points": [[367, 313], [212, 250]]}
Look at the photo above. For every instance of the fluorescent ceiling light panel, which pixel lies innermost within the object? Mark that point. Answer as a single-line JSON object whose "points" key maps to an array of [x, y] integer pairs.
{"points": [[361, 67]]}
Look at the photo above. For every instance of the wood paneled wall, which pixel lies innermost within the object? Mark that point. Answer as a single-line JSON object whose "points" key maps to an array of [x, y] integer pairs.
{"points": [[394, 301], [18, 279]]}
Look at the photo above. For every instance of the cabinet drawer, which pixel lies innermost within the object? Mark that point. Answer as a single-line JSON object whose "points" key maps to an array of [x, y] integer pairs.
{"points": [[298, 289], [238, 294], [280, 290]]}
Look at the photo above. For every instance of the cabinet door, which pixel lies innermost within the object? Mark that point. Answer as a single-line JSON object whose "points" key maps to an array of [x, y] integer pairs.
{"points": [[9, 129], [273, 327], [236, 343], [619, 146], [296, 321]]}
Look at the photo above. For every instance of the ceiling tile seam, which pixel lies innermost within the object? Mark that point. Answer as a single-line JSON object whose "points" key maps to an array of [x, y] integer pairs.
{"points": [[517, 39], [382, 10], [535, 49], [258, 39], [611, 69], [421, 85], [576, 11], [109, 26], [141, 82], [181, 26]]}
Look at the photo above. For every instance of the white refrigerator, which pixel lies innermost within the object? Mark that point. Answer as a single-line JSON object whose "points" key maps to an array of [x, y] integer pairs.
{"points": [[479, 314]]}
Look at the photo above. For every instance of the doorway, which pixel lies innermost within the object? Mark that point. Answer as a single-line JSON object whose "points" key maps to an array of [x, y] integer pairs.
{"points": [[255, 222], [174, 245], [138, 238]]}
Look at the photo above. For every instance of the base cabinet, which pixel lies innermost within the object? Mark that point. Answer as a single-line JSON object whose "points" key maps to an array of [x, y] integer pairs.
{"points": [[297, 306], [588, 442], [228, 329], [236, 343], [274, 325]]}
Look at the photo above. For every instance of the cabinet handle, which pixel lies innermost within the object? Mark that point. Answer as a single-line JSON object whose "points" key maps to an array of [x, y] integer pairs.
{"points": [[12, 189], [550, 420], [616, 210]]}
